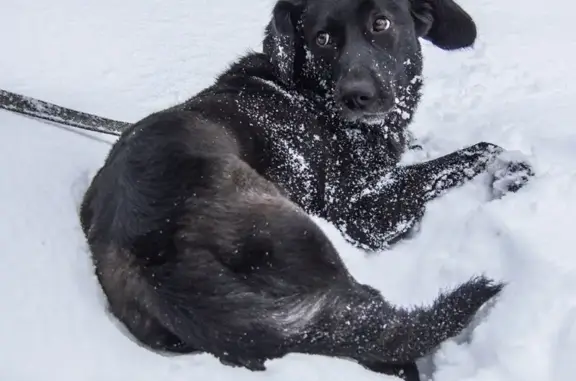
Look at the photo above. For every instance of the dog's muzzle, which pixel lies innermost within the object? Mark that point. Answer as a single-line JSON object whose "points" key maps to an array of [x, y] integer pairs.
{"points": [[360, 98]]}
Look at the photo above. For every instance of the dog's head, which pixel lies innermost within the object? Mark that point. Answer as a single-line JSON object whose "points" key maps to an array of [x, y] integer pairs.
{"points": [[363, 54]]}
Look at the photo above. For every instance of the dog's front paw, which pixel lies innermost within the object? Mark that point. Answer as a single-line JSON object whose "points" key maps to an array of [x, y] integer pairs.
{"points": [[509, 172]]}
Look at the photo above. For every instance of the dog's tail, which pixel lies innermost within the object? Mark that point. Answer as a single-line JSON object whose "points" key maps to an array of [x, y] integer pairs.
{"points": [[409, 335]]}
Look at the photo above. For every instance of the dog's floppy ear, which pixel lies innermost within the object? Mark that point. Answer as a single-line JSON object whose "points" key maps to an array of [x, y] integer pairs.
{"points": [[444, 23], [281, 38]]}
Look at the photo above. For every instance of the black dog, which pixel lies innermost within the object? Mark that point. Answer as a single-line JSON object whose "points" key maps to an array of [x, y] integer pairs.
{"points": [[198, 221]]}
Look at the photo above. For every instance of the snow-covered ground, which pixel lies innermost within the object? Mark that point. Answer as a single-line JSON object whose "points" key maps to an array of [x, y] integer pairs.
{"points": [[124, 59]]}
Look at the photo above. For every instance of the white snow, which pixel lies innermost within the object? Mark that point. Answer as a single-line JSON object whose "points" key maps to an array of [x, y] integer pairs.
{"points": [[124, 59]]}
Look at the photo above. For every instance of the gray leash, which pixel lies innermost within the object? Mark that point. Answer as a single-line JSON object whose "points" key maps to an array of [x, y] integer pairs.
{"points": [[47, 111]]}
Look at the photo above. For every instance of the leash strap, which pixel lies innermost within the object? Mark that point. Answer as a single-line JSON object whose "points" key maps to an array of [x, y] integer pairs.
{"points": [[47, 111]]}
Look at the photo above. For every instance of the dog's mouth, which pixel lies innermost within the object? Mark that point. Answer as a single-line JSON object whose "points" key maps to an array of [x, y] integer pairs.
{"points": [[376, 112], [365, 99], [372, 118]]}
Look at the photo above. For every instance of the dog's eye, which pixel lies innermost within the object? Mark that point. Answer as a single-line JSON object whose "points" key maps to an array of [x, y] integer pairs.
{"points": [[381, 24], [323, 39]]}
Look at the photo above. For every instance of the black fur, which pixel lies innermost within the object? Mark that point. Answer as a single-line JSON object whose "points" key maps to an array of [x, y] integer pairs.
{"points": [[199, 225]]}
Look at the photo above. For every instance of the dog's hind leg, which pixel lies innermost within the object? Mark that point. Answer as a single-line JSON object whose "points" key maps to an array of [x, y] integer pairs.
{"points": [[358, 323]]}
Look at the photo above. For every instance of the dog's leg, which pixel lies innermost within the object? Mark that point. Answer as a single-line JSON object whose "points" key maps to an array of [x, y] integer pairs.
{"points": [[387, 210], [407, 372], [453, 170], [360, 324]]}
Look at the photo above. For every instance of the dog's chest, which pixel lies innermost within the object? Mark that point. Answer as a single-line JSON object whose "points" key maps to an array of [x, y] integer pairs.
{"points": [[294, 146], [317, 163], [357, 159], [321, 168]]}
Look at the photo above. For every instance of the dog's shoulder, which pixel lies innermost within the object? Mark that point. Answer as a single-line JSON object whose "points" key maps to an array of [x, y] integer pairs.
{"points": [[251, 101]]}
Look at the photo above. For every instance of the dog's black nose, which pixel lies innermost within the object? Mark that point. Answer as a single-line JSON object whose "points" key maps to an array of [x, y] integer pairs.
{"points": [[358, 95]]}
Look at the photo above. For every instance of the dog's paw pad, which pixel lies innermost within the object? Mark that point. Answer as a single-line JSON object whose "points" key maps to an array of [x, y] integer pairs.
{"points": [[509, 174]]}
